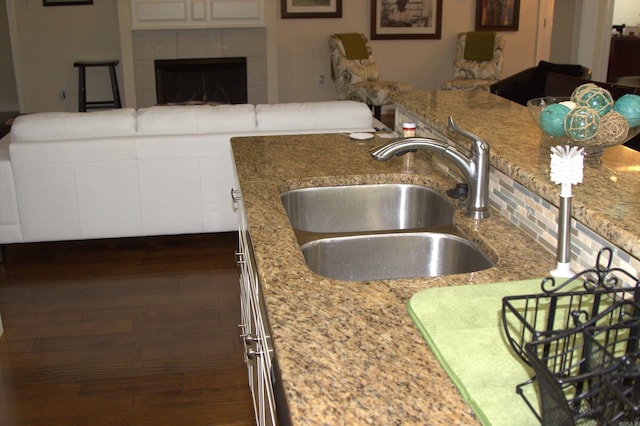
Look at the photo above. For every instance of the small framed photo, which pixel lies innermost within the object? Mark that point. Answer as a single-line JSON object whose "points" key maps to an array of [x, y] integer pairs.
{"points": [[65, 2], [497, 15], [406, 19], [311, 9]]}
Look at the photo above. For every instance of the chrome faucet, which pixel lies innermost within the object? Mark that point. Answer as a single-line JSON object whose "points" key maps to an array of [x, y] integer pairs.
{"points": [[475, 168]]}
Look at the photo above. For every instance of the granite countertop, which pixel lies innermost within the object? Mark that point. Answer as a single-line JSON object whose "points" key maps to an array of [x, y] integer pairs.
{"points": [[608, 200], [348, 351]]}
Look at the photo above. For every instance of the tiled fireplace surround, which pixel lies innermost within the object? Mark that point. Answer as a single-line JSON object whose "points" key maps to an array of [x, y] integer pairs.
{"points": [[149, 45]]}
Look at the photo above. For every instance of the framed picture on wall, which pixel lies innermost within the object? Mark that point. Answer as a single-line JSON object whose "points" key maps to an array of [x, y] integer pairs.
{"points": [[311, 9], [497, 15], [406, 19], [65, 2]]}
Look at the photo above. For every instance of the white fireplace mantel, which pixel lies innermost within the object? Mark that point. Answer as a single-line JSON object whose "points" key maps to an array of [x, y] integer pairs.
{"points": [[182, 14]]}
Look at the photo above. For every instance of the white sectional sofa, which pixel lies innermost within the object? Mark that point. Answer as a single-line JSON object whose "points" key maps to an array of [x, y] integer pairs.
{"points": [[155, 171]]}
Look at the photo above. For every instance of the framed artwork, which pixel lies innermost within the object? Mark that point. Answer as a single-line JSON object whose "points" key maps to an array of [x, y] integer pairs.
{"points": [[65, 2], [497, 15], [310, 9], [406, 19]]}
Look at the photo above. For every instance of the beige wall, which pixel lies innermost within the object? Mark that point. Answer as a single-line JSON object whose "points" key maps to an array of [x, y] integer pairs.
{"points": [[52, 38], [8, 91], [303, 53]]}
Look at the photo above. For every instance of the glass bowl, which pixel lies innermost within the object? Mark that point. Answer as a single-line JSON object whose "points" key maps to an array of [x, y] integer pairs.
{"points": [[582, 130]]}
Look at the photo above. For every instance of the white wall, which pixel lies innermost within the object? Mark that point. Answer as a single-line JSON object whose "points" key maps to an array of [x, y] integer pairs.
{"points": [[52, 38], [626, 12]]}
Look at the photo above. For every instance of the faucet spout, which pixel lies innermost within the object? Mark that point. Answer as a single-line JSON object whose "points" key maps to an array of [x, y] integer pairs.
{"points": [[474, 167]]}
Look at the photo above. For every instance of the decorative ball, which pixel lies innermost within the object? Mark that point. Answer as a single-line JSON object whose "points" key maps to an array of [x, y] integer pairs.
{"points": [[579, 91], [613, 130], [581, 123], [552, 119], [595, 97], [629, 106]]}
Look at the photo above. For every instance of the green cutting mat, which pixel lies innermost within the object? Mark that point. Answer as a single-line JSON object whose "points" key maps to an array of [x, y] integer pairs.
{"points": [[463, 327]]}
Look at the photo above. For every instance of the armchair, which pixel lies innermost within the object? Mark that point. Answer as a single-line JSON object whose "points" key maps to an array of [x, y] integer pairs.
{"points": [[478, 61], [356, 73]]}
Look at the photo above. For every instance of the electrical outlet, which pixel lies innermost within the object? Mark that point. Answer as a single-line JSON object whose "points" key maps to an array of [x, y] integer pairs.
{"points": [[321, 80]]}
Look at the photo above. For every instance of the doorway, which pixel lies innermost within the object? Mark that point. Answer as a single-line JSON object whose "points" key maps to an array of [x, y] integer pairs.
{"points": [[545, 30], [582, 34]]}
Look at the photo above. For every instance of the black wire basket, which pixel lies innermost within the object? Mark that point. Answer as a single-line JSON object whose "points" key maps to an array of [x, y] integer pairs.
{"points": [[580, 337], [576, 302], [588, 374], [619, 348]]}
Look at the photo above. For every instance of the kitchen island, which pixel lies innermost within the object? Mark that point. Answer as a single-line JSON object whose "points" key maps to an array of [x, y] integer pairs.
{"points": [[347, 351]]}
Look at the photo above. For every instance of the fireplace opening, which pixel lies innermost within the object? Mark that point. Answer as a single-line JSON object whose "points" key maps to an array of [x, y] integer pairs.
{"points": [[201, 80]]}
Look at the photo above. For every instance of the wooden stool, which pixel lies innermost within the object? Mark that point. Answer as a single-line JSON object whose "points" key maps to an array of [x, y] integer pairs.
{"points": [[83, 105]]}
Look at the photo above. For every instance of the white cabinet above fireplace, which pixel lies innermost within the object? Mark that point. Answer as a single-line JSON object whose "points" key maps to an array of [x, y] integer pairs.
{"points": [[183, 14]]}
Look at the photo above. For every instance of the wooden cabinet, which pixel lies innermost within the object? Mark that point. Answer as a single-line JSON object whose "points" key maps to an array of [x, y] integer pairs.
{"points": [[168, 14], [624, 57]]}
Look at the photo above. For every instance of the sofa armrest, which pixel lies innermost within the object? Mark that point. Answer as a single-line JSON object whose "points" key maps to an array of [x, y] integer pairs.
{"points": [[561, 85]]}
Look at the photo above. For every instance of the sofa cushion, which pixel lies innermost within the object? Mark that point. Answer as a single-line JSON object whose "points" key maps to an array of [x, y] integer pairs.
{"points": [[313, 115], [46, 126], [574, 70], [536, 85], [196, 119]]}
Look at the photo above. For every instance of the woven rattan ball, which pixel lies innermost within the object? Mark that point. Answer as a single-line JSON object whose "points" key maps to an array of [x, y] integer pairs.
{"points": [[613, 130]]}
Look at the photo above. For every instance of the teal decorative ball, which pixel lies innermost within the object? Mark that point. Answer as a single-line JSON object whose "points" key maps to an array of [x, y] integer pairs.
{"points": [[596, 98], [580, 90], [552, 119], [629, 106], [581, 123]]}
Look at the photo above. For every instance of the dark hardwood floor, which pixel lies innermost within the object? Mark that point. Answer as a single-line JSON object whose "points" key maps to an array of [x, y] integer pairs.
{"points": [[136, 331]]}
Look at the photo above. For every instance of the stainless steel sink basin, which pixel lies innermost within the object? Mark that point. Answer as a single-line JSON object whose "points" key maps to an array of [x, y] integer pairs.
{"points": [[393, 255], [362, 208]]}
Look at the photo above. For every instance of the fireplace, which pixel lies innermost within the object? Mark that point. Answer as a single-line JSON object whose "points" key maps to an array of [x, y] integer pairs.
{"points": [[201, 80]]}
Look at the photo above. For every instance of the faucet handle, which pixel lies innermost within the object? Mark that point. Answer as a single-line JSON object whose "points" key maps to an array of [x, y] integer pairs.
{"points": [[477, 140]]}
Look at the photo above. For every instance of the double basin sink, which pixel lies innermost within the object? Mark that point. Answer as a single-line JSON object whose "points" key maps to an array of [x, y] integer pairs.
{"points": [[380, 231]]}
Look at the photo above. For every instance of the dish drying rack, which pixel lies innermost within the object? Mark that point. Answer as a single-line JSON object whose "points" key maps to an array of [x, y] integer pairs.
{"points": [[581, 339]]}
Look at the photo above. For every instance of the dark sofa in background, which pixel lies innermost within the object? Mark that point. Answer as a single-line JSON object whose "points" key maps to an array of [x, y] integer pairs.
{"points": [[532, 82]]}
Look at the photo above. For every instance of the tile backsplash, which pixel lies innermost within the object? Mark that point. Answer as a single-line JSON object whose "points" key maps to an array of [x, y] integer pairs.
{"points": [[538, 218]]}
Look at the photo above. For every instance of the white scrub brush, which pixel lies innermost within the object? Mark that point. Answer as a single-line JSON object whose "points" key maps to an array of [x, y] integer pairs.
{"points": [[566, 170]]}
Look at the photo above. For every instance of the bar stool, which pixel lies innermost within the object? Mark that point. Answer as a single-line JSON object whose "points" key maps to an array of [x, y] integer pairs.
{"points": [[83, 105]]}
